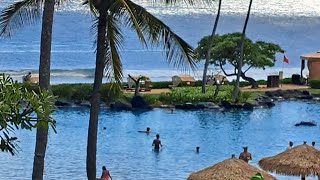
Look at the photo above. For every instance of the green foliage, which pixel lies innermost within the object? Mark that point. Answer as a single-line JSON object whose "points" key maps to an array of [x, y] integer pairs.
{"points": [[110, 92], [257, 54], [257, 176], [315, 84], [72, 91], [162, 84], [244, 96], [181, 95], [286, 81], [17, 107]]}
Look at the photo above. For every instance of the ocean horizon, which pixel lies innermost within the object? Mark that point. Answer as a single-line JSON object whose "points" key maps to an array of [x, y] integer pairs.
{"points": [[73, 57]]}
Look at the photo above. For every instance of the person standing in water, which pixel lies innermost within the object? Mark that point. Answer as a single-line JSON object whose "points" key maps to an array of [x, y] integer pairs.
{"points": [[105, 174], [157, 143], [290, 145], [245, 155]]}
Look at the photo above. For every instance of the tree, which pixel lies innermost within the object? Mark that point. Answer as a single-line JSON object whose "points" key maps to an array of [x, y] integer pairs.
{"points": [[17, 106], [16, 16], [209, 49], [137, 83], [109, 16], [257, 54], [236, 89]]}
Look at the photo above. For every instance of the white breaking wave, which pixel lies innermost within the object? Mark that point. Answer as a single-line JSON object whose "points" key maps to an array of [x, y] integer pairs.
{"points": [[59, 76]]}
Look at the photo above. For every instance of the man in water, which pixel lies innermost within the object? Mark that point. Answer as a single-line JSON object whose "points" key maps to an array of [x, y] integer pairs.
{"points": [[146, 131], [157, 143], [290, 145], [245, 155]]}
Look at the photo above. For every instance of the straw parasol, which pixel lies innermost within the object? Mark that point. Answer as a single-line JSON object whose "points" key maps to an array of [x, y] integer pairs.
{"points": [[302, 160], [229, 169]]}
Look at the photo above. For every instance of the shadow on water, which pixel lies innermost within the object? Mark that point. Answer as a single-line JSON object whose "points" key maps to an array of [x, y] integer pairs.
{"points": [[139, 112]]}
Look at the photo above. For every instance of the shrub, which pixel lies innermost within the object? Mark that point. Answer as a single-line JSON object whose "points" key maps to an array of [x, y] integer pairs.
{"points": [[162, 84], [63, 91], [110, 94], [286, 81], [315, 84]]}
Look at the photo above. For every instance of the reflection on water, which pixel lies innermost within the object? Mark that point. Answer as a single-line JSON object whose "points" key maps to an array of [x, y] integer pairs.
{"points": [[129, 154]]}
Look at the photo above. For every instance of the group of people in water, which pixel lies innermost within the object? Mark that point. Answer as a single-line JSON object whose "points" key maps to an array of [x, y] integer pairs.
{"points": [[156, 142], [245, 155]]}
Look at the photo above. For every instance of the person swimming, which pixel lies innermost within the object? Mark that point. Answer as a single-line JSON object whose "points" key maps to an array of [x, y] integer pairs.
{"points": [[197, 149], [146, 131]]}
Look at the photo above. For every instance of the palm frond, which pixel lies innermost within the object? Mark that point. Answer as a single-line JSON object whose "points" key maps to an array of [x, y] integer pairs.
{"points": [[178, 51], [90, 3], [121, 8], [19, 14], [114, 41]]}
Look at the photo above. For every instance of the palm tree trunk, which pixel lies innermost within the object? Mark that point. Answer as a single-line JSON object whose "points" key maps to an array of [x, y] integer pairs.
{"points": [[137, 87], [95, 101], [44, 79], [239, 64], [206, 64]]}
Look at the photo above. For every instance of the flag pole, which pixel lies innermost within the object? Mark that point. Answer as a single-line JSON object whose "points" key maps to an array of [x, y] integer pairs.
{"points": [[282, 71]]}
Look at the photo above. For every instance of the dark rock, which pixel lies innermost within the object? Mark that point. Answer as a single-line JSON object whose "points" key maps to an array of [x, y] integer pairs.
{"points": [[85, 104], [200, 106], [62, 103], [305, 97], [248, 106], [77, 102], [179, 106], [226, 104], [264, 99], [266, 104], [139, 103], [306, 93], [316, 95], [269, 94], [236, 106], [209, 105], [190, 106], [119, 106]]}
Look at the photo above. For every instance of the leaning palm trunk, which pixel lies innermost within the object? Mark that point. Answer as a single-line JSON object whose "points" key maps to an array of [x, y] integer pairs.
{"points": [[239, 64], [206, 64], [44, 79], [95, 101]]}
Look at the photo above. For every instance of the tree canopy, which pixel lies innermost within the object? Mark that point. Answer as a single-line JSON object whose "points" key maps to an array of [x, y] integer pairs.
{"points": [[257, 54], [18, 108]]}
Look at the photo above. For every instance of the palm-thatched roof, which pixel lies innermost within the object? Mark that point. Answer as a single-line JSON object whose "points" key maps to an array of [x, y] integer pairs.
{"points": [[302, 160], [229, 169], [311, 56], [184, 78]]}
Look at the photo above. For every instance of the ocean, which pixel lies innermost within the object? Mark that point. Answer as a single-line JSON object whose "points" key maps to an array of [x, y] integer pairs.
{"points": [[292, 24]]}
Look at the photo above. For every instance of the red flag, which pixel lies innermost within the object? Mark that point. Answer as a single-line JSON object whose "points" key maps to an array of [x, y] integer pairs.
{"points": [[285, 59]]}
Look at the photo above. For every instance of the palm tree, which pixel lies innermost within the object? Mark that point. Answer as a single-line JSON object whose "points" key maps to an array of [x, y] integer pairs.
{"points": [[16, 16], [206, 64], [109, 16], [239, 64]]}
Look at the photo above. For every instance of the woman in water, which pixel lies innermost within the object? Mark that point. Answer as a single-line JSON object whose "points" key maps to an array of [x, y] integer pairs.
{"points": [[105, 174]]}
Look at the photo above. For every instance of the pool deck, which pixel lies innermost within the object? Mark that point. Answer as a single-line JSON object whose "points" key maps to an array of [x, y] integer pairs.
{"points": [[247, 88]]}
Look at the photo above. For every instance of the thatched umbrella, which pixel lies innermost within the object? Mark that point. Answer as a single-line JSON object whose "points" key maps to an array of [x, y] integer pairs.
{"points": [[229, 169], [302, 160]]}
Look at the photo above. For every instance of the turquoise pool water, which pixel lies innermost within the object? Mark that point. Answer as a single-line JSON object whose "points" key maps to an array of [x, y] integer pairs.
{"points": [[129, 156]]}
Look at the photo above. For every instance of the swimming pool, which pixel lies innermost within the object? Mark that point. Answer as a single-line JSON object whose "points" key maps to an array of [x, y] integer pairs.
{"points": [[129, 156]]}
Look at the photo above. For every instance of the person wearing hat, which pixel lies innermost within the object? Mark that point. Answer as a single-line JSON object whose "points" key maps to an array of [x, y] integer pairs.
{"points": [[245, 155]]}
